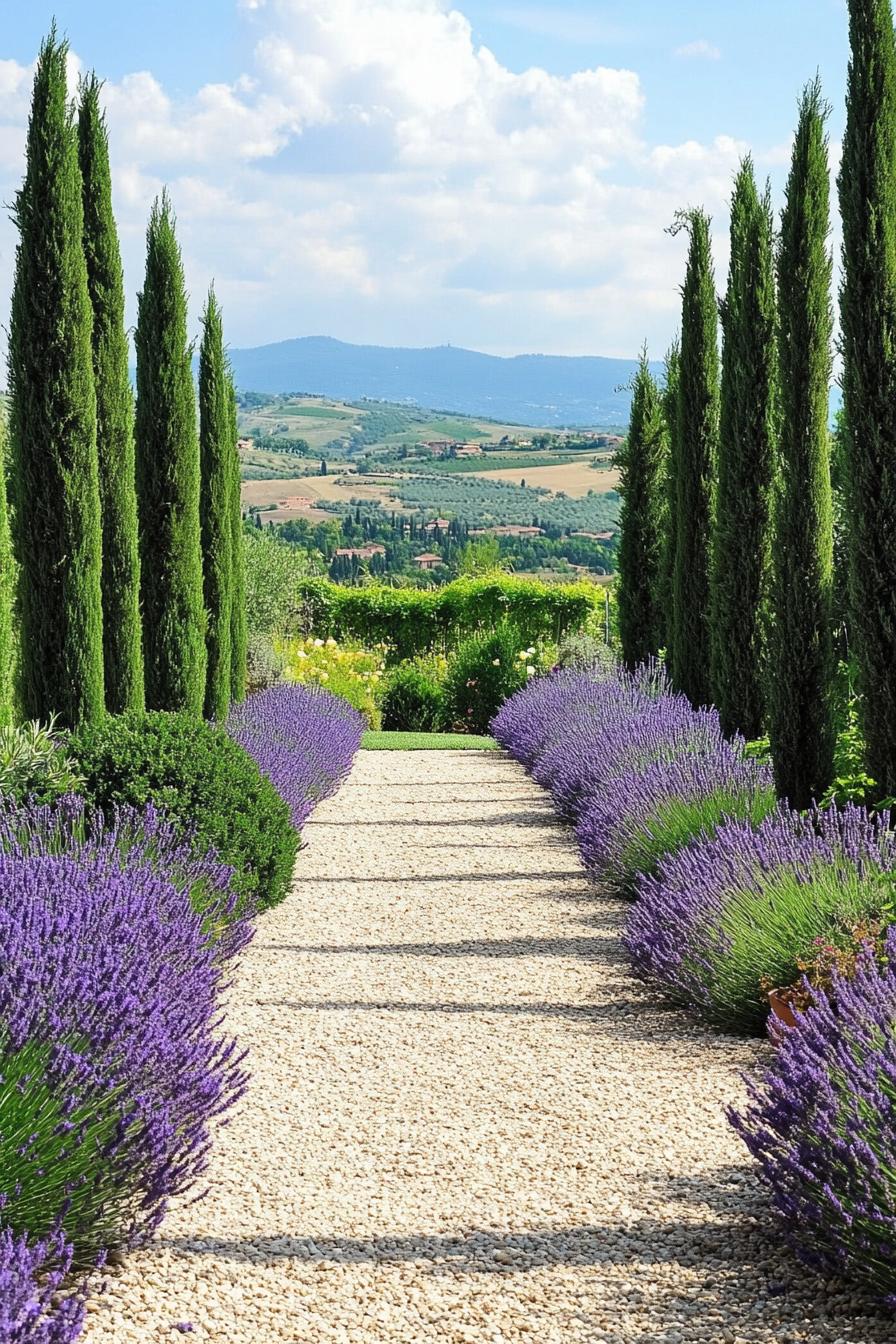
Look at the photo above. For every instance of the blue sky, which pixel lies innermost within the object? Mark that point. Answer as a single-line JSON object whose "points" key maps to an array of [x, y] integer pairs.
{"points": [[496, 173]]}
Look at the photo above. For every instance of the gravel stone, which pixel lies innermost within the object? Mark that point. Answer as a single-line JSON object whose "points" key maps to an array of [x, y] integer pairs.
{"points": [[467, 1123]]}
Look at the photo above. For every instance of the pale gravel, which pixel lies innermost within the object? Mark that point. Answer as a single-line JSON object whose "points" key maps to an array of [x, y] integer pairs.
{"points": [[467, 1124]]}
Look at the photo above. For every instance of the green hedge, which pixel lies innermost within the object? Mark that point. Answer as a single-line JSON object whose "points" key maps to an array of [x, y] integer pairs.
{"points": [[414, 622]]}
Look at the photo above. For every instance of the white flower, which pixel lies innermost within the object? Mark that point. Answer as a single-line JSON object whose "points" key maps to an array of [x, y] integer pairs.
{"points": [[300, 653], [318, 643], [531, 653], [530, 671], [331, 643], [325, 676], [496, 662]]}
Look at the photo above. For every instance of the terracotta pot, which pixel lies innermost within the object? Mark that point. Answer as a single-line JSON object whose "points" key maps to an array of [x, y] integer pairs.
{"points": [[781, 1015]]}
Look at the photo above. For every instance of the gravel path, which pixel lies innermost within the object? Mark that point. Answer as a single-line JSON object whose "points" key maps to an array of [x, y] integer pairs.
{"points": [[467, 1124]]}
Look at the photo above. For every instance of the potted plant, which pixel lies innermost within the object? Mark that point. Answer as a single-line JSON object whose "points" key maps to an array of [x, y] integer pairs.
{"points": [[827, 962]]}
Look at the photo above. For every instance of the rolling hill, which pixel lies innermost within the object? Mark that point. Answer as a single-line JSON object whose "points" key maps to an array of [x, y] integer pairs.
{"points": [[539, 390]]}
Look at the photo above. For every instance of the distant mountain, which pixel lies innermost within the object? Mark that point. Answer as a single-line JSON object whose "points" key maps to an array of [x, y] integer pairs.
{"points": [[546, 390]]}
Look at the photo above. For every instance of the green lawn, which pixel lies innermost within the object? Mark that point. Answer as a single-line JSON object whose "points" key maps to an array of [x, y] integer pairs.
{"points": [[427, 742]]}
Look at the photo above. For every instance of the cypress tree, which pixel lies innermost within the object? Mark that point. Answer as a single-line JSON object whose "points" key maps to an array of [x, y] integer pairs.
{"points": [[670, 414], [801, 725], [56, 497], [239, 636], [642, 520], [215, 509], [747, 446], [7, 582], [168, 480], [868, 326], [698, 428], [122, 641]]}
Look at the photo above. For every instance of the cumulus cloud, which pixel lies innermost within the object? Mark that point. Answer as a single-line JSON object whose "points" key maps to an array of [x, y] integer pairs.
{"points": [[376, 175]]}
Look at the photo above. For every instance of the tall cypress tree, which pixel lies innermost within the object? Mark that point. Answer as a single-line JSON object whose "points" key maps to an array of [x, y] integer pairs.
{"points": [[239, 636], [747, 446], [168, 480], [643, 488], [215, 508], [801, 724], [698, 430], [7, 581], [56, 516], [868, 325], [122, 641], [670, 414]]}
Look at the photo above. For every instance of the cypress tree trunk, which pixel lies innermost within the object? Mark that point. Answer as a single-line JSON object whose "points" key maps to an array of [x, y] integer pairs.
{"points": [[56, 497], [168, 481], [747, 444], [670, 414], [801, 721], [868, 325], [215, 509], [698, 429], [122, 640], [239, 637], [7, 580], [643, 488]]}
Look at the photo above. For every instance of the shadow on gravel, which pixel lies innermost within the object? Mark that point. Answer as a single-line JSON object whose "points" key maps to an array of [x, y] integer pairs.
{"points": [[591, 949], [414, 879], [448, 823], [643, 1025]]}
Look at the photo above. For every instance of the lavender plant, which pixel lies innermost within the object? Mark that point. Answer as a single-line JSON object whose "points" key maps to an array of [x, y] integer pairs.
{"points": [[302, 738], [821, 1122], [34, 1306], [114, 1065], [644, 813], [724, 915]]}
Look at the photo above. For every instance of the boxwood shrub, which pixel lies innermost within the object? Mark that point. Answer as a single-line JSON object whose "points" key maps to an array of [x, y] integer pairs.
{"points": [[413, 701], [200, 778]]}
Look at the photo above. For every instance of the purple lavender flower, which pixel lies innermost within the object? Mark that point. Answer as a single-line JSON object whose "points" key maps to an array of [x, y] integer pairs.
{"points": [[821, 1122], [302, 737], [33, 1310], [643, 813], [110, 1041], [725, 913]]}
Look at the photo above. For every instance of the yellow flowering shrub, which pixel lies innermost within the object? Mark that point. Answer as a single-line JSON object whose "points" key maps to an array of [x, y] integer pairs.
{"points": [[345, 669]]}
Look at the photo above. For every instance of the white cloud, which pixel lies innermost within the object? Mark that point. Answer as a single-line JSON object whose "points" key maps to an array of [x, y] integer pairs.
{"points": [[700, 50], [376, 175]]}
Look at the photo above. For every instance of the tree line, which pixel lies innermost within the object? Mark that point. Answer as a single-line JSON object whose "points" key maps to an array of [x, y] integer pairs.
{"points": [[128, 592], [727, 553]]}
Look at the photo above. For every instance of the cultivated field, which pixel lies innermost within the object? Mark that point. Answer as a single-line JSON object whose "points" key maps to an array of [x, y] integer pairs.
{"points": [[342, 487], [574, 479]]}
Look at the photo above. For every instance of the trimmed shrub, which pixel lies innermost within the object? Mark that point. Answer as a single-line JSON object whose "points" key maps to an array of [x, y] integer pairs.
{"points": [[111, 1051], [34, 1307], [727, 916], [205, 782], [485, 671], [302, 738], [413, 701], [821, 1122]]}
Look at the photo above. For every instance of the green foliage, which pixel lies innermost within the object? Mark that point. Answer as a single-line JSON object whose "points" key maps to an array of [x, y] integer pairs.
{"points": [[216, 509], [800, 701], [264, 664], [412, 622], [696, 445], [868, 325], [413, 700], [122, 636], [56, 499], [673, 457], [7, 588], [643, 521], [273, 576], [208, 785], [239, 617], [677, 821], [485, 671], [168, 480], [746, 461], [483, 503], [34, 762], [480, 557]]}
